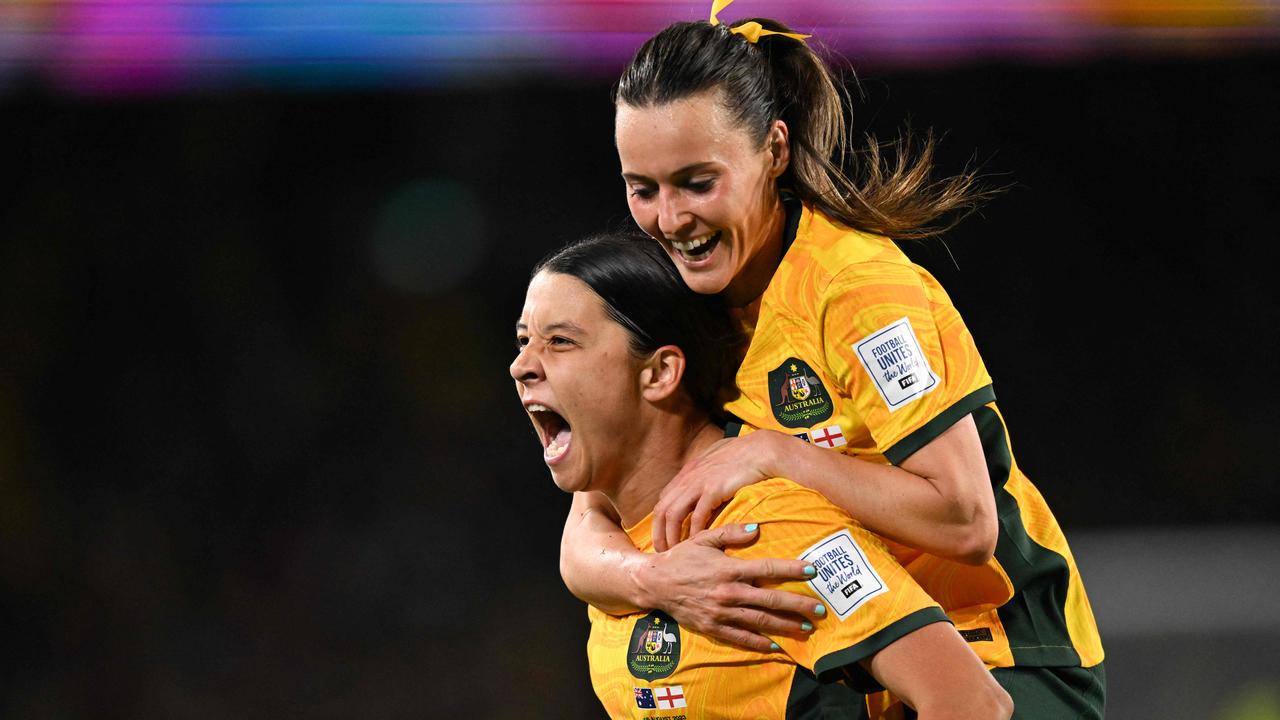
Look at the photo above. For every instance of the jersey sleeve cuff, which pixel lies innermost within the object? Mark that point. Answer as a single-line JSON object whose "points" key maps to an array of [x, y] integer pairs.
{"points": [[908, 445], [844, 663]]}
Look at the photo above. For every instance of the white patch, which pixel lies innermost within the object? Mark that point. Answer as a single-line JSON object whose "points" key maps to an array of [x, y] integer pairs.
{"points": [[669, 698], [829, 437], [845, 577], [894, 360]]}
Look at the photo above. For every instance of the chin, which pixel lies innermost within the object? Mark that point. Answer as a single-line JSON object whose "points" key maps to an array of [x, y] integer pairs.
{"points": [[568, 482], [704, 283]]}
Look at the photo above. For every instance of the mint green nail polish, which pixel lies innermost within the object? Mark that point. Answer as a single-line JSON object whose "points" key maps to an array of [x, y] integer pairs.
{"points": [[774, 647], [752, 527], [806, 626], [819, 610], [810, 571]]}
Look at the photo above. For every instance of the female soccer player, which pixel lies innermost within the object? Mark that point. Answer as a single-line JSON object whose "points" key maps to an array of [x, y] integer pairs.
{"points": [[618, 369], [729, 141]]}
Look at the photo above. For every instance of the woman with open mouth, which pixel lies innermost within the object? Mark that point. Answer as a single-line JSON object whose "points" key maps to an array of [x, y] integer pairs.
{"points": [[619, 368], [730, 141]]}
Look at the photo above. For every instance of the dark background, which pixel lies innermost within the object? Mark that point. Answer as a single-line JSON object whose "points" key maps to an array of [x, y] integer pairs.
{"points": [[260, 455]]}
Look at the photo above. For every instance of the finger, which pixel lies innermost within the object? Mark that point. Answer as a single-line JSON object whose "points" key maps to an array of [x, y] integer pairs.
{"points": [[667, 507], [767, 622], [661, 541], [673, 520], [781, 603], [773, 570], [675, 527], [702, 513], [726, 535], [740, 637], [659, 529]]}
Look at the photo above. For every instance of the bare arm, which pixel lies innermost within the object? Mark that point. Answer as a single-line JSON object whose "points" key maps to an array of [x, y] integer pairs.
{"points": [[597, 560], [695, 583], [934, 672], [940, 500]]}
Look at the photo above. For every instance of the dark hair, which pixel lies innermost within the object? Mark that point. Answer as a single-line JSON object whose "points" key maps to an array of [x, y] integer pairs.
{"points": [[779, 78], [642, 291]]}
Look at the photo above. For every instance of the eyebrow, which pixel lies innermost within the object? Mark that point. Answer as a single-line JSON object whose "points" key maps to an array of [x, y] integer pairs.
{"points": [[554, 327], [686, 170]]}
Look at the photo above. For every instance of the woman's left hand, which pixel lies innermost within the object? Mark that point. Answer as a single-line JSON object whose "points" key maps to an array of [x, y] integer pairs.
{"points": [[707, 481]]}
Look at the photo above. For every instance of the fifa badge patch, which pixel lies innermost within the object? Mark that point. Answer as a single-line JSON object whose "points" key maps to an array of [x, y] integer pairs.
{"points": [[845, 578], [796, 395], [897, 366], [654, 650]]}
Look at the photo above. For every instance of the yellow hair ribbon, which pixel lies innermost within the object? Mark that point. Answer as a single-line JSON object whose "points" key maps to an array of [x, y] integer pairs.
{"points": [[753, 30]]}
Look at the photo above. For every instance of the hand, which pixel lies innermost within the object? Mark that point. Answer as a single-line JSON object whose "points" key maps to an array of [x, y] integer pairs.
{"points": [[707, 481], [715, 595]]}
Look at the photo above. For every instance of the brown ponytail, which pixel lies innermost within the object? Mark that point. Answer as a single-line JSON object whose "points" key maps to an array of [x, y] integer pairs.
{"points": [[779, 78]]}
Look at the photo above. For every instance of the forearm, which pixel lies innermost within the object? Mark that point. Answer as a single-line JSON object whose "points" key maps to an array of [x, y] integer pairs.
{"points": [[935, 513], [597, 560], [933, 671]]}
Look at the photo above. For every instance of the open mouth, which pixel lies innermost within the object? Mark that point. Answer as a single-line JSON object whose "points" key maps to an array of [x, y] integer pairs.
{"points": [[553, 430], [698, 248]]}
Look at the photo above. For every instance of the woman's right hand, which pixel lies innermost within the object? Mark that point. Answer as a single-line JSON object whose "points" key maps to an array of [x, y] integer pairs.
{"points": [[707, 591]]}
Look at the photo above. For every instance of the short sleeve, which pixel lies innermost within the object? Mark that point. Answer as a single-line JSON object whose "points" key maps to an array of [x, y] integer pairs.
{"points": [[870, 599], [899, 350]]}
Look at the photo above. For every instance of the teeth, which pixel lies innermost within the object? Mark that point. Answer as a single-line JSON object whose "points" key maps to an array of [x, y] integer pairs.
{"points": [[555, 449], [538, 408], [694, 244]]}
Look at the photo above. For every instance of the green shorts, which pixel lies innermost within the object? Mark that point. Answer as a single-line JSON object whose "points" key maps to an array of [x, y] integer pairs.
{"points": [[1055, 693], [1051, 693]]}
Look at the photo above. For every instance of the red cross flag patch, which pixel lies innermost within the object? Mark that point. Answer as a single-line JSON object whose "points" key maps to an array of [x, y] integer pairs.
{"points": [[669, 698], [828, 437]]}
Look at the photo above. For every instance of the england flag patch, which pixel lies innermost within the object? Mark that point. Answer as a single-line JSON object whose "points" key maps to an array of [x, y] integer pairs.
{"points": [[828, 437], [669, 698]]}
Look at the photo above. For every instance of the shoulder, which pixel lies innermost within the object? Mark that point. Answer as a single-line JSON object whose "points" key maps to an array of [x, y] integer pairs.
{"points": [[836, 259], [779, 500], [837, 246]]}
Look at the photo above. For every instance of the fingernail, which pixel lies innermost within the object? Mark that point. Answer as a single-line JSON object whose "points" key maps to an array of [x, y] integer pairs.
{"points": [[751, 527], [810, 570], [774, 647], [806, 626], [819, 610]]}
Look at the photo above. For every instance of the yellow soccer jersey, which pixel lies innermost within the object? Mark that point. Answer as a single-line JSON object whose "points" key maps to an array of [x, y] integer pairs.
{"points": [[859, 350], [645, 665]]}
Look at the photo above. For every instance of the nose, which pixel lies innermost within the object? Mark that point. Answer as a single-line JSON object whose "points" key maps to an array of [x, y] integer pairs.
{"points": [[672, 214], [525, 368]]}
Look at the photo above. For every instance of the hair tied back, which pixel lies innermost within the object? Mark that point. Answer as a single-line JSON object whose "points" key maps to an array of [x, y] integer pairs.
{"points": [[752, 30]]}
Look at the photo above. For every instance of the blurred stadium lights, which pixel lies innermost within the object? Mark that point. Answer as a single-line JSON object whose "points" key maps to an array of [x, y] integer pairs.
{"points": [[160, 46], [1159, 582], [1187, 615]]}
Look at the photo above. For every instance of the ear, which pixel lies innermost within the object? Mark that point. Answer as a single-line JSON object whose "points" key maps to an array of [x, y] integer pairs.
{"points": [[661, 374], [778, 145]]}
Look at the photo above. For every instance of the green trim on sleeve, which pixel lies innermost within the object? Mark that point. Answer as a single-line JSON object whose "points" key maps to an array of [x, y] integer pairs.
{"points": [[907, 446], [845, 662], [813, 700]]}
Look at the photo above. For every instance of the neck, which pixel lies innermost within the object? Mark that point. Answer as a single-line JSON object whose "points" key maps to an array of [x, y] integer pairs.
{"points": [[665, 450], [755, 275]]}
